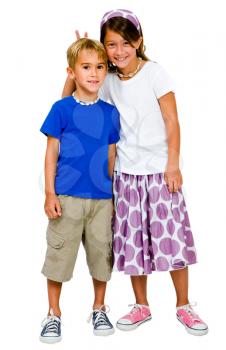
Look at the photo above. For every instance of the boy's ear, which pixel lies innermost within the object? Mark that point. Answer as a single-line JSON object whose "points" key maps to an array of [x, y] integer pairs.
{"points": [[70, 73]]}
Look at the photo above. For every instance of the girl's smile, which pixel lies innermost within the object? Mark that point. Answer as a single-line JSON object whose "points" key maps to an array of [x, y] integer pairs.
{"points": [[121, 52]]}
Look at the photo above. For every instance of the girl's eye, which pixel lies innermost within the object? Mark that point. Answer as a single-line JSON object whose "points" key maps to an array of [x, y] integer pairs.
{"points": [[111, 45], [100, 66], [86, 67], [126, 43]]}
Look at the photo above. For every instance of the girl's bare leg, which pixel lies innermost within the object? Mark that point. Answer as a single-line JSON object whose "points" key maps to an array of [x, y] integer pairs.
{"points": [[139, 284], [180, 281]]}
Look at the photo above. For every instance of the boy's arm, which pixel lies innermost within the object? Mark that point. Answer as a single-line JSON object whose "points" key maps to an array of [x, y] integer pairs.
{"points": [[52, 204], [69, 87], [111, 158]]}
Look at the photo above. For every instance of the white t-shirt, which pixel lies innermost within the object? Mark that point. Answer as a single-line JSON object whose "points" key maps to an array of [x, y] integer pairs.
{"points": [[142, 148]]}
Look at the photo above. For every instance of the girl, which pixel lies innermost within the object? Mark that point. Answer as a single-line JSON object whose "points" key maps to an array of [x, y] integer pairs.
{"points": [[151, 228]]}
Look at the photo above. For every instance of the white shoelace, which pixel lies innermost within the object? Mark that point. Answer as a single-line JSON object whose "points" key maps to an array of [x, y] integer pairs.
{"points": [[137, 306], [52, 320], [104, 309], [191, 313]]}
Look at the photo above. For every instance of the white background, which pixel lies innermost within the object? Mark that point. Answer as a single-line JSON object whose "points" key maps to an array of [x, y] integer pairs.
{"points": [[188, 39]]}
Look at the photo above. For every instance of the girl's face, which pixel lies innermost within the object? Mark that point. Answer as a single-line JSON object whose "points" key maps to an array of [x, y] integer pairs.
{"points": [[119, 51]]}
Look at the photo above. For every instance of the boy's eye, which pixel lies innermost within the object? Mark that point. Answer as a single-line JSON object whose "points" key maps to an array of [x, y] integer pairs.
{"points": [[86, 67], [100, 66]]}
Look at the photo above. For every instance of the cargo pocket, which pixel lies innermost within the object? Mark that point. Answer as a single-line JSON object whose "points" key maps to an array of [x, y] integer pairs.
{"points": [[62, 198], [54, 240]]}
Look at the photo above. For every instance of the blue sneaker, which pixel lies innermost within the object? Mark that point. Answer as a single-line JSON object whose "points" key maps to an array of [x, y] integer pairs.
{"points": [[101, 324], [51, 329]]}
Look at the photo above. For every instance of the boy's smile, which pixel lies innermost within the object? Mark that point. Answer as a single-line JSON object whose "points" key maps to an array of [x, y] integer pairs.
{"points": [[89, 74]]}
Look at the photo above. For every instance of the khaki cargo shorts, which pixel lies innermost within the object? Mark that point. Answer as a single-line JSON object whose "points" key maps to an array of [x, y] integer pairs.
{"points": [[86, 220]]}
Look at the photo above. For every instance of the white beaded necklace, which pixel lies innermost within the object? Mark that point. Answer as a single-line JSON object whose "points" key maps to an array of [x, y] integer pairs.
{"points": [[130, 75], [83, 103]]}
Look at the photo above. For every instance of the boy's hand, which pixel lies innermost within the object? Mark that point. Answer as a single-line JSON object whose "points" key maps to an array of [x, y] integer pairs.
{"points": [[173, 179], [52, 206], [78, 35]]}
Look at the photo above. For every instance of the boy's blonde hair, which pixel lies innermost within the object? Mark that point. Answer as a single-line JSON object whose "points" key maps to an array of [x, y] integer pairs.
{"points": [[85, 44]]}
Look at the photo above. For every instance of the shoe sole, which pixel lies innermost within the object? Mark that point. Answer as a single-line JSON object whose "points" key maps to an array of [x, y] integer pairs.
{"points": [[103, 333], [50, 340], [197, 332], [130, 327]]}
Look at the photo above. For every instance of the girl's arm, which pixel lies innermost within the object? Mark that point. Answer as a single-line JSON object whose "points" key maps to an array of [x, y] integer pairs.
{"points": [[69, 87], [168, 108], [111, 164], [52, 204], [111, 158]]}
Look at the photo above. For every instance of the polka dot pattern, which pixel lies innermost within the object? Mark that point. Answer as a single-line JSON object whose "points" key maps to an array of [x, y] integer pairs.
{"points": [[151, 227], [138, 241], [121, 13], [122, 209], [124, 229], [162, 211], [129, 252]]}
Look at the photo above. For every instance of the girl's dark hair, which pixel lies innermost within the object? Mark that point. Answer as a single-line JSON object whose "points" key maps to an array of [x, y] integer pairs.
{"points": [[128, 31]]}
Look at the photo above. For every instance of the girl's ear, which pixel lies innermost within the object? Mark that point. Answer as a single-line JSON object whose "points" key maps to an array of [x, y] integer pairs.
{"points": [[70, 73], [137, 43]]}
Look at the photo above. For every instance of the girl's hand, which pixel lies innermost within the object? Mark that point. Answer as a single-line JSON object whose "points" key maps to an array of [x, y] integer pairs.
{"points": [[173, 179], [52, 206], [112, 209], [78, 35]]}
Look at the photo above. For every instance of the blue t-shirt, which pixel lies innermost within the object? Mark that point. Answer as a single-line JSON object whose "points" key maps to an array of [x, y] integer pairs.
{"points": [[84, 131]]}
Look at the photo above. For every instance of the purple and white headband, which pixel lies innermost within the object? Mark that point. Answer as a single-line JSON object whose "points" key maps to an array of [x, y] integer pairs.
{"points": [[121, 13]]}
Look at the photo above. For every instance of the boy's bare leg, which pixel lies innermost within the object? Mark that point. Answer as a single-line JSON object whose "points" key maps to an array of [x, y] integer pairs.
{"points": [[54, 290], [99, 293], [139, 284], [180, 281]]}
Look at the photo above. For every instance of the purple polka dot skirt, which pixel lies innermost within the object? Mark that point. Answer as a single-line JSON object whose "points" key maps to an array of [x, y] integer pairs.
{"points": [[151, 226]]}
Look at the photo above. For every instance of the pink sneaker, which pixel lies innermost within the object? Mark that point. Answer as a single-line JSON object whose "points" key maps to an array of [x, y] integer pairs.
{"points": [[138, 315], [191, 321]]}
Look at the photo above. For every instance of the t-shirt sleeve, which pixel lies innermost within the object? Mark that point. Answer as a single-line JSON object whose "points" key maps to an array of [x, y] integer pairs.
{"points": [[115, 127], [54, 123], [163, 83]]}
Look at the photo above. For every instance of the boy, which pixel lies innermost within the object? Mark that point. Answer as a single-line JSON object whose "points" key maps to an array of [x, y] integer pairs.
{"points": [[82, 131]]}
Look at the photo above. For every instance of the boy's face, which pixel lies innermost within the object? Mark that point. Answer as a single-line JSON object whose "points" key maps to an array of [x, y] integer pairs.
{"points": [[89, 72]]}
